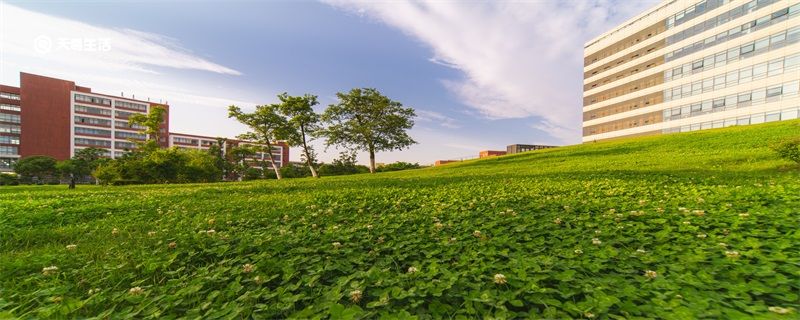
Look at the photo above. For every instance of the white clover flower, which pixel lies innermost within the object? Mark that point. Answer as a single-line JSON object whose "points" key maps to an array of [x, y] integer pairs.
{"points": [[314, 225], [56, 299], [641, 202], [589, 315], [151, 233], [369, 227], [557, 221], [597, 232], [476, 233], [453, 239], [438, 225], [702, 235], [172, 245], [212, 221], [500, 278], [49, 270], [578, 251], [687, 222], [723, 244], [699, 213], [744, 215], [247, 268], [732, 254], [650, 274], [114, 232], [93, 291], [412, 270], [355, 296], [780, 310], [337, 245], [136, 291], [258, 280], [641, 250], [211, 232], [380, 240], [72, 247], [596, 241]]}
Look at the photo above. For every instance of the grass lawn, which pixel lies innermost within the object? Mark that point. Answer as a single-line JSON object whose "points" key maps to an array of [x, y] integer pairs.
{"points": [[683, 226]]}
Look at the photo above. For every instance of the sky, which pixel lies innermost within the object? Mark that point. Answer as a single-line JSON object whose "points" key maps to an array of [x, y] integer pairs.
{"points": [[480, 74]]}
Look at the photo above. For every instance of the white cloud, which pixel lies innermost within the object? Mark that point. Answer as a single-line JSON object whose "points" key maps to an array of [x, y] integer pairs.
{"points": [[519, 59], [438, 118]]}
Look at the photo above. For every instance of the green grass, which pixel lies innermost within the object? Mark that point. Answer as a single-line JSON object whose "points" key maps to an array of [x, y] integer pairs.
{"points": [[671, 204]]}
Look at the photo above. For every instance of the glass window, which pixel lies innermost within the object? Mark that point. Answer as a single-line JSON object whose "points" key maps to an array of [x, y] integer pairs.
{"points": [[718, 124], [733, 54], [745, 98], [774, 91], [775, 67], [792, 61], [780, 13], [719, 103], [759, 95], [708, 84], [777, 39], [745, 75], [757, 118], [677, 71], [761, 44], [696, 107], [697, 65], [747, 48], [730, 100], [791, 88], [759, 70], [789, 114], [732, 77], [743, 121], [707, 105], [730, 122], [772, 117], [793, 34]]}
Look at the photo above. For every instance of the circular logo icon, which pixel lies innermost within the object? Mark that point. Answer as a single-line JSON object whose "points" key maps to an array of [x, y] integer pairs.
{"points": [[42, 44]]}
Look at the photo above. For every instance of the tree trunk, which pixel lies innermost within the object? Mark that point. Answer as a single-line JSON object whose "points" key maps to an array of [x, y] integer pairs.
{"points": [[308, 155], [371, 159], [272, 161]]}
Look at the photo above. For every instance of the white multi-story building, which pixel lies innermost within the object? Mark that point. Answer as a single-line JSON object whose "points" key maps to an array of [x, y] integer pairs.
{"points": [[688, 65]]}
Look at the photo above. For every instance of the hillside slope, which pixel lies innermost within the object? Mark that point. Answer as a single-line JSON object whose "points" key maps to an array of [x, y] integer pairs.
{"points": [[693, 225]]}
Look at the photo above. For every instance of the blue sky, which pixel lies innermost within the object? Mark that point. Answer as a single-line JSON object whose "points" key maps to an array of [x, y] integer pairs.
{"points": [[481, 75]]}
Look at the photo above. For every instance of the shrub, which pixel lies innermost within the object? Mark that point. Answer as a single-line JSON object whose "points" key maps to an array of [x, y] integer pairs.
{"points": [[8, 180], [789, 150], [397, 166]]}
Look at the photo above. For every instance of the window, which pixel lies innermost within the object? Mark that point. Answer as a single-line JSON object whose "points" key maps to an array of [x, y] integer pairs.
{"points": [[759, 70], [10, 107], [12, 118], [775, 67], [745, 98], [9, 140], [789, 114], [697, 108], [9, 150], [719, 103], [92, 121], [10, 96], [90, 99], [9, 128], [791, 88], [747, 48], [130, 105], [743, 121], [792, 61], [124, 145], [757, 118], [7, 163], [92, 110], [697, 65], [772, 117], [761, 44], [92, 131], [774, 91], [129, 135], [677, 72], [93, 142]]}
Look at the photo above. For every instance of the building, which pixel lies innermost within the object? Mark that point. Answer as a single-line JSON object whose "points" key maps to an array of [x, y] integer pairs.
{"points": [[444, 162], [280, 150], [691, 65], [490, 153], [54, 117], [517, 148]]}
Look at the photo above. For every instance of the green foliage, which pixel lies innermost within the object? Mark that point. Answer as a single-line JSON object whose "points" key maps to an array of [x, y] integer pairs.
{"points": [[161, 166], [266, 125], [151, 122], [398, 166], [711, 213], [295, 171], [344, 165], [365, 120], [303, 122], [789, 150], [36, 169], [9, 179]]}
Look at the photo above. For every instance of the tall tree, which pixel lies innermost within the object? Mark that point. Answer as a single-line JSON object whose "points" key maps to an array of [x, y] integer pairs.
{"points": [[38, 168], [152, 126], [220, 153], [266, 125], [366, 120], [303, 122]]}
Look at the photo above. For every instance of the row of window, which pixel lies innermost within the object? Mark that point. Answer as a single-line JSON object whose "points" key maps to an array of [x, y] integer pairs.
{"points": [[125, 125], [93, 142], [719, 20], [131, 105], [7, 163], [9, 150], [185, 140], [9, 128], [129, 135], [93, 131], [91, 99], [124, 145], [92, 110], [12, 118], [785, 114], [93, 121], [736, 32], [734, 101], [735, 77], [10, 96], [693, 12], [9, 139], [103, 153], [9, 107], [765, 44]]}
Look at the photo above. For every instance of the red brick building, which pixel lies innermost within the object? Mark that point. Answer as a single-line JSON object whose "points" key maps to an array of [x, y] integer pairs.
{"points": [[54, 117], [491, 153]]}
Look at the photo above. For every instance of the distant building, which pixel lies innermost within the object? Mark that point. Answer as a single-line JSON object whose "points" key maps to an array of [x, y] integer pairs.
{"points": [[517, 148], [56, 118], [491, 153], [443, 162], [280, 150]]}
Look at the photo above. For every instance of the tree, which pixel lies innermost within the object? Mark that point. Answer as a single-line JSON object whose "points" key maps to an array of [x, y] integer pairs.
{"points": [[35, 168], [81, 165], [218, 151], [239, 155], [344, 165], [365, 120], [303, 122], [266, 125], [152, 126]]}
